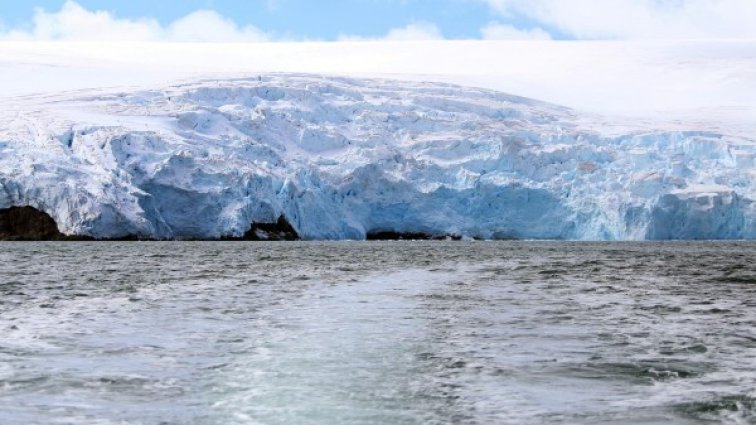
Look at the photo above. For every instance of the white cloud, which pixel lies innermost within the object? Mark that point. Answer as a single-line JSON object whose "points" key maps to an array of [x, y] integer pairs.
{"points": [[208, 25], [582, 19], [413, 31], [499, 31], [75, 23], [639, 19]]}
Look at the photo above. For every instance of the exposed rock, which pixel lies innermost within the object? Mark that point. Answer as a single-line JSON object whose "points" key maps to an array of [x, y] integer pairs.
{"points": [[31, 224], [28, 224], [407, 236], [281, 230]]}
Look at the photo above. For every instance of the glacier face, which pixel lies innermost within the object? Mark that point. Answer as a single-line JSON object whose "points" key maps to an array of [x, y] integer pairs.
{"points": [[341, 157]]}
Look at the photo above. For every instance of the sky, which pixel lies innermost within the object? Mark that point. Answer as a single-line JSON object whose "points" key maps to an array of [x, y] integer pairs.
{"points": [[357, 20]]}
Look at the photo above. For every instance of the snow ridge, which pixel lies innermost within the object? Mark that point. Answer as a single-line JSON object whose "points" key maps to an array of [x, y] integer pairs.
{"points": [[341, 157]]}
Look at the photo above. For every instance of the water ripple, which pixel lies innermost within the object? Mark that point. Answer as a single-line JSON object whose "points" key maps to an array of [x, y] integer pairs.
{"points": [[373, 333]]}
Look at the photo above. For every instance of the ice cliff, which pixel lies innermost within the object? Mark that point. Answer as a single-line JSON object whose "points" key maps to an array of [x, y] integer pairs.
{"points": [[340, 158]]}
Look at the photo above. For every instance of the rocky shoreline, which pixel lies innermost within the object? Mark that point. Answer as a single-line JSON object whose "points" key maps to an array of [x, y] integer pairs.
{"points": [[30, 224], [390, 235]]}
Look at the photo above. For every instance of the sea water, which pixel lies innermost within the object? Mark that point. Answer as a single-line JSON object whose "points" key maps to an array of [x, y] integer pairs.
{"points": [[377, 333]]}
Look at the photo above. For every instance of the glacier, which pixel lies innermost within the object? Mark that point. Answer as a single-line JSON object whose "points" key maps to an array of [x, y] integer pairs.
{"points": [[341, 158]]}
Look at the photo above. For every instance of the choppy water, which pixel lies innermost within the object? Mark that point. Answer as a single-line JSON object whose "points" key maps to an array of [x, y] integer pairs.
{"points": [[377, 333]]}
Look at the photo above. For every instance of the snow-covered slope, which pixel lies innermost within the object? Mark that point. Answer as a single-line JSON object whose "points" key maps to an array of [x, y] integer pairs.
{"points": [[341, 157]]}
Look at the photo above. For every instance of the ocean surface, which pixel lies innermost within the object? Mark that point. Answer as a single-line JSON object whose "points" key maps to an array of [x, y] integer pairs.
{"points": [[377, 333]]}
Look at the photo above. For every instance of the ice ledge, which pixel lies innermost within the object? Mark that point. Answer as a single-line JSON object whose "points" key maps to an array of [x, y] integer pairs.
{"points": [[344, 158]]}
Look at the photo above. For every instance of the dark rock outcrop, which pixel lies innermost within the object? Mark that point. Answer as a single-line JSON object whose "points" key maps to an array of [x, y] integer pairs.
{"points": [[281, 230], [28, 224], [389, 235], [31, 224]]}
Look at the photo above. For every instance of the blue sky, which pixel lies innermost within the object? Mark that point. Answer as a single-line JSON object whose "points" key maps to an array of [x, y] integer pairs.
{"points": [[295, 20], [298, 19]]}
